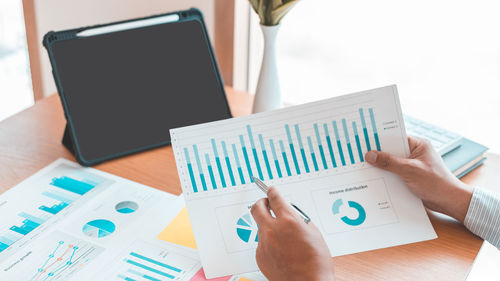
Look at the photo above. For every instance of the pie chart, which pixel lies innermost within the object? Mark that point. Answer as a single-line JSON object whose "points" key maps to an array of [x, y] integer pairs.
{"points": [[98, 228], [246, 228], [126, 207]]}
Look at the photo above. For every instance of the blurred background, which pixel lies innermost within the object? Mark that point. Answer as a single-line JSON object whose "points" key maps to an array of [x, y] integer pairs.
{"points": [[443, 55], [16, 92]]}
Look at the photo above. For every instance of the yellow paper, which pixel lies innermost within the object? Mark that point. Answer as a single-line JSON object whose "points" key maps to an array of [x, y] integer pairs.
{"points": [[244, 279], [179, 231]]}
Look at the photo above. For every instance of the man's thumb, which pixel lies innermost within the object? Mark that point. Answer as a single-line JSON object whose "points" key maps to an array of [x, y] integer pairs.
{"points": [[386, 161]]}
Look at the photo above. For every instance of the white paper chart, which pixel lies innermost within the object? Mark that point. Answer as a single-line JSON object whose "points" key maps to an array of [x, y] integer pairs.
{"points": [[67, 222], [154, 261], [314, 153]]}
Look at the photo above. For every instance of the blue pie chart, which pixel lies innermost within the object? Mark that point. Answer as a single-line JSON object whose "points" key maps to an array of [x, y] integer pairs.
{"points": [[98, 228], [126, 207], [246, 228]]}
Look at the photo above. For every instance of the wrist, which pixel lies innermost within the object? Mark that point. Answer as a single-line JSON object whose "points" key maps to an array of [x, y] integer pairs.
{"points": [[459, 200], [327, 276], [324, 274]]}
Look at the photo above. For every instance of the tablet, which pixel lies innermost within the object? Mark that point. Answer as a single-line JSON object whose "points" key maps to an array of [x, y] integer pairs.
{"points": [[124, 85]]}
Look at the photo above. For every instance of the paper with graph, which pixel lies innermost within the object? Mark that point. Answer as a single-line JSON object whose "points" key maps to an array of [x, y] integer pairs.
{"points": [[67, 222], [314, 153]]}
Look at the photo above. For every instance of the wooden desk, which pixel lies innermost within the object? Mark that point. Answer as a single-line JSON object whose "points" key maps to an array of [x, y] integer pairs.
{"points": [[32, 139]]}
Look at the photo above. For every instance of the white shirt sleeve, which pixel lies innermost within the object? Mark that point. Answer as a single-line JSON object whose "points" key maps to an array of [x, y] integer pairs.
{"points": [[483, 216]]}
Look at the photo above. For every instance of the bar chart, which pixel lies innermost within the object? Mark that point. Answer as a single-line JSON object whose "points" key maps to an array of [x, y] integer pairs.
{"points": [[146, 261], [59, 194], [228, 163], [314, 154]]}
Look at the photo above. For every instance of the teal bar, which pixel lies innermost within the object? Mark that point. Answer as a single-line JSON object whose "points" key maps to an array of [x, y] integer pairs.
{"points": [[228, 163], [313, 156], [155, 262], [32, 218], [150, 269], [302, 151], [358, 143], [275, 157], [190, 169], [210, 171], [285, 160], [31, 223], [294, 156], [247, 161], [11, 237], [374, 127], [329, 143], [257, 163], [58, 197], [237, 159], [54, 209], [339, 145], [6, 241], [70, 184], [125, 278], [140, 274], [193, 182], [200, 170], [48, 210], [264, 153], [217, 161], [346, 133], [254, 151], [320, 146], [28, 227], [19, 230], [351, 156], [365, 130]]}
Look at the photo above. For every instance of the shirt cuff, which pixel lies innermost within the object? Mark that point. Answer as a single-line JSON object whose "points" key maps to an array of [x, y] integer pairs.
{"points": [[483, 215]]}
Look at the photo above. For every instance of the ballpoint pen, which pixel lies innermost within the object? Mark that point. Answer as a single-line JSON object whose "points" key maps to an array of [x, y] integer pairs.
{"points": [[262, 186]]}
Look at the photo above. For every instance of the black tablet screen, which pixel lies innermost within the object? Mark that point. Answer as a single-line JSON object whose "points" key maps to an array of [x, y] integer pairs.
{"points": [[125, 90]]}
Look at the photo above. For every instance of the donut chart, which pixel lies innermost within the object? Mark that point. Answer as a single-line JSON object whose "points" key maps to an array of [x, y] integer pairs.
{"points": [[352, 204], [126, 207]]}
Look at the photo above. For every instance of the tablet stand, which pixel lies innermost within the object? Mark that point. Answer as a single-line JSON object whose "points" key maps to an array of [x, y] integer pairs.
{"points": [[67, 141]]}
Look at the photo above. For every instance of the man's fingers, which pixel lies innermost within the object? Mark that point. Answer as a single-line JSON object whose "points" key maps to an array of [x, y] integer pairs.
{"points": [[260, 212], [416, 142], [278, 203], [386, 161], [413, 142]]}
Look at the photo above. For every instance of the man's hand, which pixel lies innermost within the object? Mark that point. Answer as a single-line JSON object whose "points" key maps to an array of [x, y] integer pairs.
{"points": [[289, 249], [427, 177]]}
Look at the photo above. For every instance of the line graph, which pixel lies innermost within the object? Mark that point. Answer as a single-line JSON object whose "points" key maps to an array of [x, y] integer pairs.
{"points": [[56, 262], [57, 256]]}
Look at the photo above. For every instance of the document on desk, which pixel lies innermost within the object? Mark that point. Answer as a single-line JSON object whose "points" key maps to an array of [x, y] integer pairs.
{"points": [[314, 154], [67, 222]]}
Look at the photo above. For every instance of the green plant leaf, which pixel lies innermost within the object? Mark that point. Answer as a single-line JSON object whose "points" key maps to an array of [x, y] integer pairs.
{"points": [[260, 11], [271, 12], [281, 11], [275, 4], [254, 4]]}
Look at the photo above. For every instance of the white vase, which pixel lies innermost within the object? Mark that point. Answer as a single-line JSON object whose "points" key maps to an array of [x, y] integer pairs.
{"points": [[268, 94]]}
